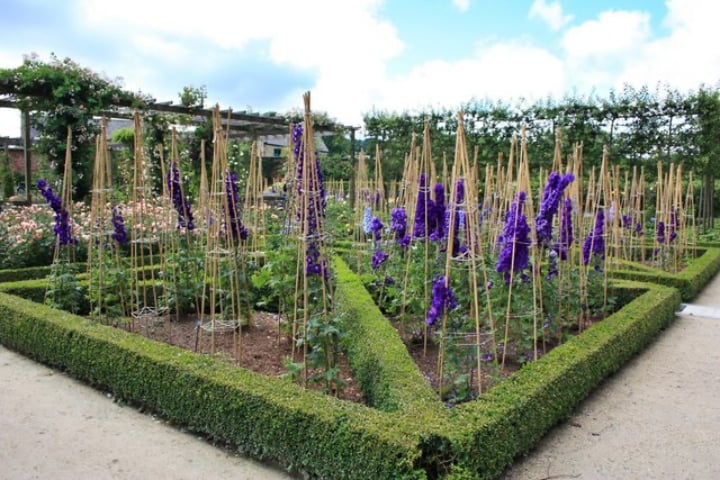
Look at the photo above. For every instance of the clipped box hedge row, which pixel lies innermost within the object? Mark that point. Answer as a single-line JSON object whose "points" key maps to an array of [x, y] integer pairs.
{"points": [[487, 434], [407, 433], [266, 418], [688, 281]]}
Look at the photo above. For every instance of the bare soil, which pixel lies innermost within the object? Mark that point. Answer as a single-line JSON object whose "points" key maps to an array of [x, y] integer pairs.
{"points": [[262, 347]]}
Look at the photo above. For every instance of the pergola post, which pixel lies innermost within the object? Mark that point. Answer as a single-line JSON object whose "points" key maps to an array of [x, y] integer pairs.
{"points": [[27, 156]]}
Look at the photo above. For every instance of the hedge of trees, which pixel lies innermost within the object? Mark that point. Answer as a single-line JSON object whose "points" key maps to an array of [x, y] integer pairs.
{"points": [[639, 127]]}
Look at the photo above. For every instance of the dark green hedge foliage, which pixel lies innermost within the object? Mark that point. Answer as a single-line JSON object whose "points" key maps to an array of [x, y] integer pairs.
{"points": [[408, 434], [689, 281], [509, 420], [264, 417]]}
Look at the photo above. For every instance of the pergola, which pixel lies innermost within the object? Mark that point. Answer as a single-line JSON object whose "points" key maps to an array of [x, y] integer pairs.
{"points": [[237, 124]]}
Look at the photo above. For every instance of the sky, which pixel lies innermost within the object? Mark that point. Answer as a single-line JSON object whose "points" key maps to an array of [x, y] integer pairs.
{"points": [[362, 56]]}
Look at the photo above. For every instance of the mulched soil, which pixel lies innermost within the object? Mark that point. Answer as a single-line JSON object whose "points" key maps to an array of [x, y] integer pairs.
{"points": [[264, 349], [261, 348]]}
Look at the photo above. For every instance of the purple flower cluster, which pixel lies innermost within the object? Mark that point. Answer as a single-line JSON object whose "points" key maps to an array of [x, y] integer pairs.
{"points": [[639, 229], [314, 264], [552, 194], [378, 259], [119, 233], [460, 216], [626, 221], [398, 224], [661, 232], [672, 226], [422, 209], [376, 227], [442, 297], [237, 229], [436, 214], [515, 240], [297, 134], [62, 227], [595, 241], [566, 230], [180, 203]]}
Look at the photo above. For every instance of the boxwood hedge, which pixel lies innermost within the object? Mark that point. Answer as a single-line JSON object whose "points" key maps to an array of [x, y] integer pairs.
{"points": [[404, 433], [688, 281]]}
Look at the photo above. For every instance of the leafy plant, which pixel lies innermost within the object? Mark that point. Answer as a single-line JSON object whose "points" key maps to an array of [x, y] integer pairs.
{"points": [[64, 291]]}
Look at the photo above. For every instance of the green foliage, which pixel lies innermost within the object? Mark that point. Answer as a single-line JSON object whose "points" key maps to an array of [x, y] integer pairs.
{"points": [[275, 279], [487, 434], [387, 374], [124, 136], [193, 97], [412, 436], [689, 281], [267, 418], [64, 292], [65, 95], [337, 164], [183, 275], [636, 125], [7, 177]]}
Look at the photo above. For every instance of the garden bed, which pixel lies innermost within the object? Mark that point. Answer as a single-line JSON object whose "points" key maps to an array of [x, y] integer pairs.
{"points": [[263, 348], [408, 435]]}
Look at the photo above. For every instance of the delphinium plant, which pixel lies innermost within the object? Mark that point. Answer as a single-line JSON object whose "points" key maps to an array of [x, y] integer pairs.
{"points": [[108, 289], [63, 290], [183, 256], [316, 327]]}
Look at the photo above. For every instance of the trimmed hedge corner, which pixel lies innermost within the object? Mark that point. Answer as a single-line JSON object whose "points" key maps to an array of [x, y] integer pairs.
{"points": [[387, 375], [266, 418], [486, 435], [689, 281]]}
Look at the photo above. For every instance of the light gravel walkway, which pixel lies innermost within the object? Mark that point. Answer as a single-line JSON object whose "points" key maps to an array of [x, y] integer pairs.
{"points": [[658, 418], [54, 427]]}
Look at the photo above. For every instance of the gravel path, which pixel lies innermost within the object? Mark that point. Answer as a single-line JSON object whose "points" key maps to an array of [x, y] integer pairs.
{"points": [[658, 418], [54, 427]]}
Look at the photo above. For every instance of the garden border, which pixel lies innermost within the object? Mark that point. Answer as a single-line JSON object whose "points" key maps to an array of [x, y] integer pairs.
{"points": [[689, 281], [309, 432]]}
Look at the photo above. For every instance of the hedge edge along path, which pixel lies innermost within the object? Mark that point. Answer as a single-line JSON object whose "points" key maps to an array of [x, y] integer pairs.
{"points": [[309, 432]]}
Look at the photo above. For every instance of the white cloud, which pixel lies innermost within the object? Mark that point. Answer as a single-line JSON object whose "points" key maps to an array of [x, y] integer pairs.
{"points": [[497, 71], [613, 32], [461, 5], [346, 44], [9, 122], [688, 56], [551, 13]]}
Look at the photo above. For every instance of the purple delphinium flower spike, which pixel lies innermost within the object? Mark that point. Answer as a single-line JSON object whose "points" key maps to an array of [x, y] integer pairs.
{"points": [[119, 233], [552, 194], [626, 222], [62, 227], [234, 218], [595, 241], [672, 227], [566, 230], [661, 232], [378, 259], [376, 227], [515, 240], [442, 297], [180, 203], [423, 208], [398, 222], [459, 218], [436, 214]]}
